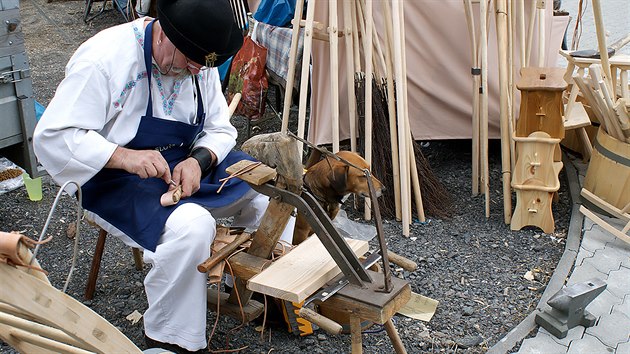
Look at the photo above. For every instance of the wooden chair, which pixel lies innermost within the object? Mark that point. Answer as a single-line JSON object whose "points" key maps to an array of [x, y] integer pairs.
{"points": [[35, 317], [575, 115], [90, 287]]}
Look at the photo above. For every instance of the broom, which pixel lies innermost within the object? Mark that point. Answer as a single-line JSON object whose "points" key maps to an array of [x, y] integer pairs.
{"points": [[437, 201]]}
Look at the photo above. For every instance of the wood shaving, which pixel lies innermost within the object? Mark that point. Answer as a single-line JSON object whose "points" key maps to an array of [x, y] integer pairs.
{"points": [[10, 174]]}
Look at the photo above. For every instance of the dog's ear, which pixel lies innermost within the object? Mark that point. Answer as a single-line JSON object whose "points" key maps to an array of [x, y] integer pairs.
{"points": [[338, 178]]}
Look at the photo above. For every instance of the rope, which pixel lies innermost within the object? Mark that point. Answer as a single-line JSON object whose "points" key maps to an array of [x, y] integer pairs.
{"points": [[76, 238]]}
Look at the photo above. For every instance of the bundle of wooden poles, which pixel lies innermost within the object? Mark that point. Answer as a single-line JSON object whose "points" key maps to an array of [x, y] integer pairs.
{"points": [[611, 111], [510, 23], [511, 28], [377, 85]]}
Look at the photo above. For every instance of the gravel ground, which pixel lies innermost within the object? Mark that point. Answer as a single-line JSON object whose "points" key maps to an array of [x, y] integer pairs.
{"points": [[472, 265]]}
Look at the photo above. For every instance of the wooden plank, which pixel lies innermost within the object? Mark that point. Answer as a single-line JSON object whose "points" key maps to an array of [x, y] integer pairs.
{"points": [[578, 117], [244, 311], [302, 271], [257, 176]]}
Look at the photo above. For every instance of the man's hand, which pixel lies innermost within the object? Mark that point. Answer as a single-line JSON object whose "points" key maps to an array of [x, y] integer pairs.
{"points": [[144, 163], [187, 174]]}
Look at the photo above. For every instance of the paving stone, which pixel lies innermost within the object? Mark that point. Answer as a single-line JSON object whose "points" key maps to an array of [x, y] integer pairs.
{"points": [[622, 246], [621, 250], [582, 255], [585, 272], [574, 333], [588, 344], [624, 307], [623, 348], [611, 329], [595, 237], [603, 304], [619, 282], [541, 344], [605, 260]]}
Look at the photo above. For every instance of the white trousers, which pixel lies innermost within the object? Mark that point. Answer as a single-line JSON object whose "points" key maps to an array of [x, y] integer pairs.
{"points": [[176, 291]]}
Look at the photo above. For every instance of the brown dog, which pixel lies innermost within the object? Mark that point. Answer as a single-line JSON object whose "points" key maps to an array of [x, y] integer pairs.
{"points": [[329, 181]]}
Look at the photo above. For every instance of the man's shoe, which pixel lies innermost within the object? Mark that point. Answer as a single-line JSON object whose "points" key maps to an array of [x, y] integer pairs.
{"points": [[152, 343]]}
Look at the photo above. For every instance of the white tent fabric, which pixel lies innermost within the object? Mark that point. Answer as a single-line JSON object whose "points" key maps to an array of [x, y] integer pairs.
{"points": [[438, 67]]}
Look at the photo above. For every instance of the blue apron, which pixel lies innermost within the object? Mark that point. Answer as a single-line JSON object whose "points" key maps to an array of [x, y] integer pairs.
{"points": [[132, 204]]}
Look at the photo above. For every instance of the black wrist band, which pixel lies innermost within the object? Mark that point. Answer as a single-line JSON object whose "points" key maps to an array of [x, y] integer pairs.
{"points": [[204, 158]]}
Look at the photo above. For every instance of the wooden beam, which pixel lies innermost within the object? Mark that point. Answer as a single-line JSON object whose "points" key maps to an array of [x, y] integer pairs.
{"points": [[243, 310], [299, 273]]}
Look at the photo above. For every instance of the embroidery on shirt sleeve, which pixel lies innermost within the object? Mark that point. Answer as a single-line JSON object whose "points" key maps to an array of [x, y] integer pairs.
{"points": [[128, 86]]}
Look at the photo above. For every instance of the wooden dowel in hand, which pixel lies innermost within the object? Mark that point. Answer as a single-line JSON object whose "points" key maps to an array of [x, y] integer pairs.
{"points": [[171, 197], [223, 253]]}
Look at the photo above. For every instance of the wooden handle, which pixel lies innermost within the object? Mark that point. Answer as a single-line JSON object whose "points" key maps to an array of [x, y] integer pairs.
{"points": [[235, 101], [324, 323], [222, 253], [405, 263]]}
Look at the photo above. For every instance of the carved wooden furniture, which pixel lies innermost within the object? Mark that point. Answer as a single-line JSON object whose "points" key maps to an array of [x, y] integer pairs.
{"points": [[539, 129], [535, 180]]}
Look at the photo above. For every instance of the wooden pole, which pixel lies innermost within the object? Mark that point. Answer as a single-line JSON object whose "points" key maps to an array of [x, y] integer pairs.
{"points": [[288, 90], [334, 70], [355, 333], [40, 330], [601, 42], [530, 33], [367, 47], [504, 94], [410, 155], [511, 86], [400, 109], [476, 82], [415, 180], [352, 103], [484, 104], [304, 78], [540, 9], [521, 26], [391, 106], [392, 333]]}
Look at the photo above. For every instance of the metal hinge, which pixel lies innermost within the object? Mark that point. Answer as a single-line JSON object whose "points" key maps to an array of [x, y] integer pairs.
{"points": [[9, 77]]}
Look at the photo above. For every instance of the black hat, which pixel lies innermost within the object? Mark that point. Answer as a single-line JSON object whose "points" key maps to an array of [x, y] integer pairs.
{"points": [[203, 30]]}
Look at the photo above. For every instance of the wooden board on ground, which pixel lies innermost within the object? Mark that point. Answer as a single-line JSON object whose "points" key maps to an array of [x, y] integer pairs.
{"points": [[302, 271]]}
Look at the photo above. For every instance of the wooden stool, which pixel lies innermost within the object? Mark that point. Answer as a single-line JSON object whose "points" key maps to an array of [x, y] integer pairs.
{"points": [[541, 102], [90, 287], [535, 180]]}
